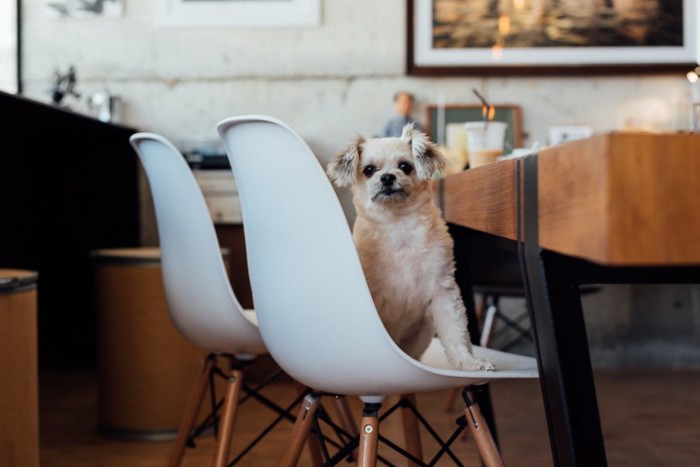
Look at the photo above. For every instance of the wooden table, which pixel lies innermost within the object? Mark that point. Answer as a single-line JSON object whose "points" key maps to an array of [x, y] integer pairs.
{"points": [[615, 208]]}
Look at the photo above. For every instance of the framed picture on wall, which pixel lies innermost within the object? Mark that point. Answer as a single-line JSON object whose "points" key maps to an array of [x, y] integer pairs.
{"points": [[238, 13], [545, 36], [438, 117]]}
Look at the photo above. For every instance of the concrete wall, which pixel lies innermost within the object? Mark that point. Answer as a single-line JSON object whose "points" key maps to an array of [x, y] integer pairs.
{"points": [[327, 82], [332, 81]]}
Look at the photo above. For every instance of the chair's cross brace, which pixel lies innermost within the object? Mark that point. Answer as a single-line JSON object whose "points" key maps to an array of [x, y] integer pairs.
{"points": [[285, 413], [444, 446], [344, 438], [273, 424], [212, 419], [401, 451], [353, 442], [349, 441], [255, 394], [514, 324], [319, 437], [261, 385]]}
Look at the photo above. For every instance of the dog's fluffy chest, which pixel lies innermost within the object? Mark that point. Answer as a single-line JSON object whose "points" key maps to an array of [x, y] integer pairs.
{"points": [[404, 261], [404, 245]]}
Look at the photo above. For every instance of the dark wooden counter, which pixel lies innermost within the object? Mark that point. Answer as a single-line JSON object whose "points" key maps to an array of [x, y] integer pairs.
{"points": [[68, 185]]}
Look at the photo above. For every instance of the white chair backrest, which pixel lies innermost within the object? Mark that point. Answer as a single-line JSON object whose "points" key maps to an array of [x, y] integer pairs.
{"points": [[198, 293], [314, 307]]}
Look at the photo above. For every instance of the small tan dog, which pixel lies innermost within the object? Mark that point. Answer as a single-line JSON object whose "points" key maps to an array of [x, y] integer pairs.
{"points": [[403, 243]]}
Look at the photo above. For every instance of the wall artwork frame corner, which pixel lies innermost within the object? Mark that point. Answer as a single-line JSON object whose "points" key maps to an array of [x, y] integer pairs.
{"points": [[481, 37]]}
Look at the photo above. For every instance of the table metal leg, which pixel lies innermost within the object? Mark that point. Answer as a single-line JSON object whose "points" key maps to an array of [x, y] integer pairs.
{"points": [[556, 315], [566, 376]]}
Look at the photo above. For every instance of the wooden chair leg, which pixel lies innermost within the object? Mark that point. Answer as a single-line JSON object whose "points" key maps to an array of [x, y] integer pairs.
{"points": [[488, 451], [411, 430], [300, 431], [228, 418], [347, 421], [191, 412], [452, 396], [311, 442], [369, 436]]}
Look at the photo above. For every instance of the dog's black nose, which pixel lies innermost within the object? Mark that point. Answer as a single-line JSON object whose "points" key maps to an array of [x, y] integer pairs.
{"points": [[388, 179]]}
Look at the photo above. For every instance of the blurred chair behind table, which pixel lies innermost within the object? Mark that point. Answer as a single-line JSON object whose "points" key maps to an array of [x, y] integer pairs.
{"points": [[492, 269], [494, 272]]}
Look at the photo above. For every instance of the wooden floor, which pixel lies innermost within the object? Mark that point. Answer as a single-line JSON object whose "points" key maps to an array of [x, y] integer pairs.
{"points": [[650, 418]]}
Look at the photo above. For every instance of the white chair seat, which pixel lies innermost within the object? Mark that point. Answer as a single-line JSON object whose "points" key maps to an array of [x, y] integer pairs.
{"points": [[508, 365]]}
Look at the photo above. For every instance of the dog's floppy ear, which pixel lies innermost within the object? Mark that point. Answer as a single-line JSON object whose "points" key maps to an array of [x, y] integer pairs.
{"points": [[426, 155], [343, 169]]}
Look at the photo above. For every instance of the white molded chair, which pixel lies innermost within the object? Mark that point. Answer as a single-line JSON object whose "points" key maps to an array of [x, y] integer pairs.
{"points": [[199, 297], [315, 311]]}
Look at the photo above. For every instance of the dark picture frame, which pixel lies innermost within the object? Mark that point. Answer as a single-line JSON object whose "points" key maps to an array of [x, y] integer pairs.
{"points": [[483, 56]]}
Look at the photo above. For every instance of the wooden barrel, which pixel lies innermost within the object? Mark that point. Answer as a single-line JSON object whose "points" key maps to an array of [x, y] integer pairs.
{"points": [[19, 392], [146, 368]]}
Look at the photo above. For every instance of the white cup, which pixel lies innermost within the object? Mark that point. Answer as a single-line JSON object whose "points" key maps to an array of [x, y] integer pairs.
{"points": [[456, 150], [484, 141]]}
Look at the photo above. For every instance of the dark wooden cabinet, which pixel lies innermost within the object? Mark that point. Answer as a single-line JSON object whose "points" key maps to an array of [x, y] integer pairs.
{"points": [[68, 185]]}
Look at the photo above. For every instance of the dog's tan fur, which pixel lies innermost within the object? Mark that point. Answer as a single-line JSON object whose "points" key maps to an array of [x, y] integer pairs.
{"points": [[403, 243]]}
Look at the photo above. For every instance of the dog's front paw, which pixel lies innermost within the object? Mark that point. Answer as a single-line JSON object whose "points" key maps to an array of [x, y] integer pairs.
{"points": [[477, 364]]}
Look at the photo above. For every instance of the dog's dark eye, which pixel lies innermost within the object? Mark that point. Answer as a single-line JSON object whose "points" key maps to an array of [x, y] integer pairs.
{"points": [[369, 170], [406, 168]]}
